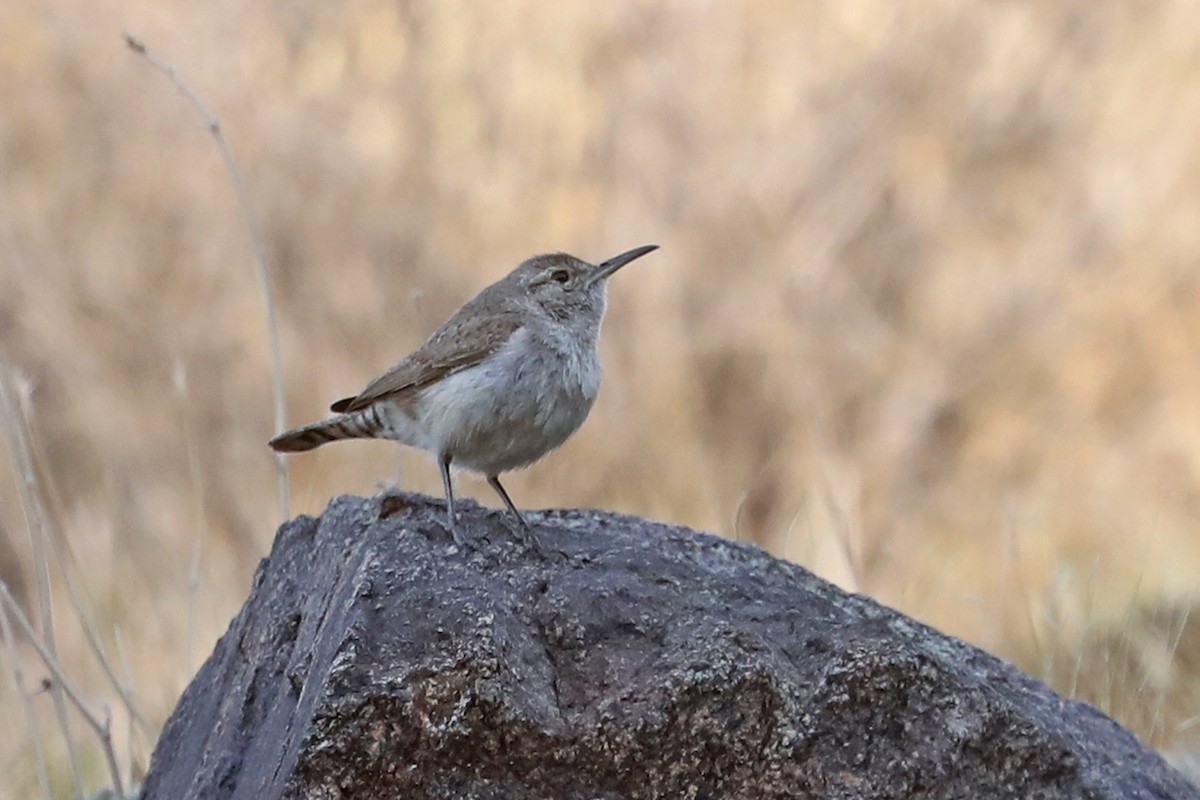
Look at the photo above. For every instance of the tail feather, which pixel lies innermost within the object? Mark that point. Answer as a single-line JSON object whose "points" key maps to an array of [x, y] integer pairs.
{"points": [[363, 424]]}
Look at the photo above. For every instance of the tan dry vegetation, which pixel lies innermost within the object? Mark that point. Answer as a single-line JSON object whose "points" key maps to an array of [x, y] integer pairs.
{"points": [[926, 316]]}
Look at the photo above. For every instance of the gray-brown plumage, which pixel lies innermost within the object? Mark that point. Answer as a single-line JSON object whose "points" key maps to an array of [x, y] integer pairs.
{"points": [[508, 378]]}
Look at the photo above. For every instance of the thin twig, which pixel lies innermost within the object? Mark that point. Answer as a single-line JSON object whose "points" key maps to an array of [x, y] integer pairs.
{"points": [[102, 729], [193, 606], [1172, 654], [61, 553], [256, 241], [25, 456], [31, 721], [1016, 565], [21, 437], [134, 770], [91, 635], [196, 476], [35, 522]]}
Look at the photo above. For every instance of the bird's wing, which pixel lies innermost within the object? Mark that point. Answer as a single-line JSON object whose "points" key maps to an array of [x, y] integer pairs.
{"points": [[463, 341]]}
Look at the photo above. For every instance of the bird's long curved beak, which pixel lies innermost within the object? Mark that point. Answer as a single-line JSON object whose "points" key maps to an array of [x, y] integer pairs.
{"points": [[606, 269]]}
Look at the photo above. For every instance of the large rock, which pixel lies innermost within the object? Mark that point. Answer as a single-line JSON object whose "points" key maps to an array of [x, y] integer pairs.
{"points": [[613, 658]]}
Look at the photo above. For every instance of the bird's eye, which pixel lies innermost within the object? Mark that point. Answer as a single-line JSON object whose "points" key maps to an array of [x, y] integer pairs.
{"points": [[560, 275]]}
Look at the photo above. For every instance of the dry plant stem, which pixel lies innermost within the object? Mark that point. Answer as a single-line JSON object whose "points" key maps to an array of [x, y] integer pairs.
{"points": [[1088, 594], [64, 559], [102, 729], [92, 636], [1016, 571], [35, 522], [196, 476], [22, 449], [1116, 681], [1158, 720], [132, 770], [31, 722], [193, 604], [843, 531], [256, 241]]}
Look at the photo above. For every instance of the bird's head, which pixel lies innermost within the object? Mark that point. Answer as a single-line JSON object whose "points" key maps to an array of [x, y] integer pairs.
{"points": [[565, 286]]}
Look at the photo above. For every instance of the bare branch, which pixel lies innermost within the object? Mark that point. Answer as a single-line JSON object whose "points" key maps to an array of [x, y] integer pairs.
{"points": [[31, 721], [11, 420], [101, 728]]}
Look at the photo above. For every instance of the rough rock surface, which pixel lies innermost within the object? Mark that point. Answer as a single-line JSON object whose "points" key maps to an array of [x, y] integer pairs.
{"points": [[613, 658]]}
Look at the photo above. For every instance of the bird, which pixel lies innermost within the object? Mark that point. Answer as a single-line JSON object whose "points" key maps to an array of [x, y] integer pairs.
{"points": [[506, 379]]}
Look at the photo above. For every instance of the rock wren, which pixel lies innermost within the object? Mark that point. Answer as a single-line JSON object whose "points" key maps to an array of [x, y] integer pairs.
{"points": [[504, 381]]}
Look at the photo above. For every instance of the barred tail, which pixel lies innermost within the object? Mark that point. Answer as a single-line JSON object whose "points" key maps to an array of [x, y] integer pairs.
{"points": [[364, 424]]}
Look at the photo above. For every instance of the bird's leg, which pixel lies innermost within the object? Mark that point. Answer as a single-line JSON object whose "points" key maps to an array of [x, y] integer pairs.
{"points": [[444, 463], [494, 482]]}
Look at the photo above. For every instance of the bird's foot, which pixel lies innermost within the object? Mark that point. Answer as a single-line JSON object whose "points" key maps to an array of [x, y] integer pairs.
{"points": [[525, 536]]}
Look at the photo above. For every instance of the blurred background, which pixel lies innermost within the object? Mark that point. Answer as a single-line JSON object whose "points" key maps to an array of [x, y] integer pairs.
{"points": [[925, 320]]}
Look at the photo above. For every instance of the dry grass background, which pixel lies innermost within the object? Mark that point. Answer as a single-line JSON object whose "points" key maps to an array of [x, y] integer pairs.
{"points": [[926, 317]]}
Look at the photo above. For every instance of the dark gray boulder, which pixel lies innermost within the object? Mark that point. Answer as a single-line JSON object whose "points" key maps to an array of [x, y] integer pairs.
{"points": [[613, 658]]}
